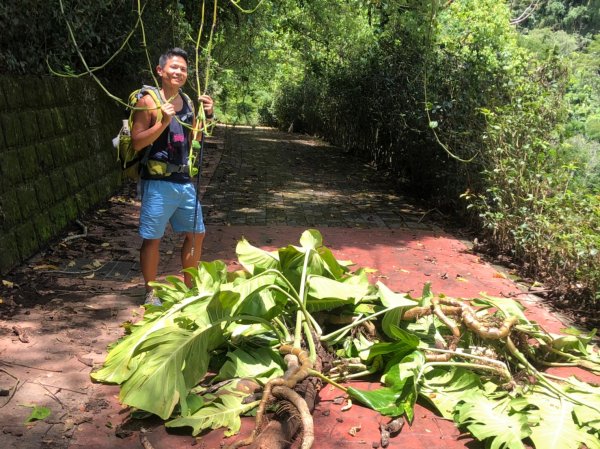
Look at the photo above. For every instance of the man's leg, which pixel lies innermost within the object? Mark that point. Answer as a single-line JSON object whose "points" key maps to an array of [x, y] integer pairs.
{"points": [[149, 257], [189, 259]]}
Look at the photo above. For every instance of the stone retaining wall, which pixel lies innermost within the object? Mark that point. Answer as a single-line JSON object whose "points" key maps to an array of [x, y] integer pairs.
{"points": [[56, 159]]}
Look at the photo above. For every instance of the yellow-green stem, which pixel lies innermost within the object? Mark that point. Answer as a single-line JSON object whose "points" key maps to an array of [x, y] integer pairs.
{"points": [[312, 372]]}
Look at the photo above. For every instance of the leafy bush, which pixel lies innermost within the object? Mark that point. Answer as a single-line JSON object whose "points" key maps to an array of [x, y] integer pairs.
{"points": [[475, 368], [515, 107]]}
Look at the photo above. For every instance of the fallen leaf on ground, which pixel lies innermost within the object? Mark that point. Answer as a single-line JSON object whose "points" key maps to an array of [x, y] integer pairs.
{"points": [[45, 267], [348, 406], [38, 413], [354, 430]]}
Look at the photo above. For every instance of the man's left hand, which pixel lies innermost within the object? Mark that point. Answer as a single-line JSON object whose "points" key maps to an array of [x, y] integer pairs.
{"points": [[207, 104]]}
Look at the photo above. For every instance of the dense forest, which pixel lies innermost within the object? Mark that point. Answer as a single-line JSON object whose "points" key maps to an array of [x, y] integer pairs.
{"points": [[487, 110]]}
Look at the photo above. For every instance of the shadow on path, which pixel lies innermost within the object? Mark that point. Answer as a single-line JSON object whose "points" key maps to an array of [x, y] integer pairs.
{"points": [[266, 177]]}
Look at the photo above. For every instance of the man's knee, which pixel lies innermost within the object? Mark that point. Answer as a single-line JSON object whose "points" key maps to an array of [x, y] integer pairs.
{"points": [[194, 237], [150, 244]]}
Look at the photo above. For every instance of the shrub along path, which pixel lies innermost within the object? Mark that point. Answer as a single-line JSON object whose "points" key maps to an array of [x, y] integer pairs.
{"points": [[59, 311]]}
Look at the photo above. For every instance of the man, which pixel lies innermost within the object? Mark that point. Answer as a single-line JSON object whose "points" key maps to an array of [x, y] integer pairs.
{"points": [[168, 193]]}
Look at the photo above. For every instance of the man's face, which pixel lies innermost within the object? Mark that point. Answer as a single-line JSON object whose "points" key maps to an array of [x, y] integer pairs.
{"points": [[174, 72]]}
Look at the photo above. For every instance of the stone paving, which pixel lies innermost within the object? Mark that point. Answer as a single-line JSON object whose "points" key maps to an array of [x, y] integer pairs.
{"points": [[266, 177]]}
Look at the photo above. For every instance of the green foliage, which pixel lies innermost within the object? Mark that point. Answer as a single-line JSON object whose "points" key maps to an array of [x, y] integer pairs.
{"points": [[35, 34], [521, 108], [573, 16], [37, 413], [161, 365], [494, 420]]}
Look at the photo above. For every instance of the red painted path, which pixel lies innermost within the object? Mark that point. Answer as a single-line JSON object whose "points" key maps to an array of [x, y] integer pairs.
{"points": [[404, 259]]}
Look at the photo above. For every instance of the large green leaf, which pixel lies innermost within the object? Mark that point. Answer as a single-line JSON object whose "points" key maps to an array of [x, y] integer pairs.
{"points": [[556, 428], [409, 366], [263, 303], [586, 413], [399, 394], [246, 288], [311, 239], [320, 262], [292, 261], [400, 303], [397, 348], [391, 299], [399, 334], [508, 306], [209, 276], [387, 401], [260, 364], [176, 359], [122, 360], [224, 412], [330, 263], [326, 294], [445, 388], [255, 260], [490, 420]]}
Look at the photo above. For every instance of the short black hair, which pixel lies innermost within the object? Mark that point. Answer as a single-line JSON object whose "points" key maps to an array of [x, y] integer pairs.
{"points": [[175, 51]]}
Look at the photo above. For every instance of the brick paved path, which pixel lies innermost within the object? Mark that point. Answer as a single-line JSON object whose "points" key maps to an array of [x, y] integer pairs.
{"points": [[266, 177]]}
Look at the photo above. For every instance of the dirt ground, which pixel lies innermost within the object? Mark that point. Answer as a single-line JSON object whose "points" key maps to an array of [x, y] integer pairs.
{"points": [[61, 309]]}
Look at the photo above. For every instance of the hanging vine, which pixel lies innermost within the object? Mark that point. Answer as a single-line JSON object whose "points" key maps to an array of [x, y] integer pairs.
{"points": [[200, 47]]}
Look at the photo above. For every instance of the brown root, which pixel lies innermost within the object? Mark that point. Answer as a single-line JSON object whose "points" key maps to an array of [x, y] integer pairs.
{"points": [[417, 312], [308, 431], [296, 372], [489, 332], [437, 310]]}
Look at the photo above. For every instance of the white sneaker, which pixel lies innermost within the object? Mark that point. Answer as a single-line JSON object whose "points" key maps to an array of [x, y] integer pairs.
{"points": [[151, 299]]}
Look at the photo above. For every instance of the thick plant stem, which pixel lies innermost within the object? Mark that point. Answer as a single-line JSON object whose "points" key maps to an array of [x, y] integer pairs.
{"points": [[354, 324], [298, 329], [320, 375], [466, 355], [541, 378], [498, 371], [312, 350], [307, 315]]}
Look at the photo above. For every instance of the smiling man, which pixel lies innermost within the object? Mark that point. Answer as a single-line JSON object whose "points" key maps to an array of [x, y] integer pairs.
{"points": [[168, 193]]}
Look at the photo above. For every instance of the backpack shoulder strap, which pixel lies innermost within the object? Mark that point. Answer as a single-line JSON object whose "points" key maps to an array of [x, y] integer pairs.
{"points": [[188, 100], [154, 93]]}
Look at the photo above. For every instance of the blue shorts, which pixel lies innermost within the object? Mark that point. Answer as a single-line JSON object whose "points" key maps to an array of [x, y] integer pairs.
{"points": [[164, 201]]}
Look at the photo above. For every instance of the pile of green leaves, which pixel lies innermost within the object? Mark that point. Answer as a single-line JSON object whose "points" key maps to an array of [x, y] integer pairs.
{"points": [[196, 360]]}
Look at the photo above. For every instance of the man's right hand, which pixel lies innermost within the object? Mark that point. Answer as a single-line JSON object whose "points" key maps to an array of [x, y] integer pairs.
{"points": [[168, 111]]}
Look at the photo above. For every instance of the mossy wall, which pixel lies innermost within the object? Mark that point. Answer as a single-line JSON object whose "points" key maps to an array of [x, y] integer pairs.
{"points": [[56, 159]]}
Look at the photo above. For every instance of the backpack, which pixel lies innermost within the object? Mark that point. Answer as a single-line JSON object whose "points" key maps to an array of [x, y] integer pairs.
{"points": [[129, 158]]}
